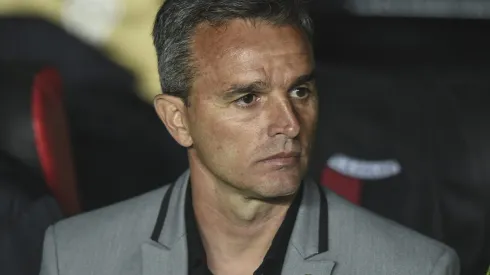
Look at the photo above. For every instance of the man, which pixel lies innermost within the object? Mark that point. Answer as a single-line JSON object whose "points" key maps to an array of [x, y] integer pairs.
{"points": [[239, 93]]}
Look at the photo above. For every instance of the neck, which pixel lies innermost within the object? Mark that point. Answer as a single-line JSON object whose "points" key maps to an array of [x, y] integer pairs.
{"points": [[236, 230]]}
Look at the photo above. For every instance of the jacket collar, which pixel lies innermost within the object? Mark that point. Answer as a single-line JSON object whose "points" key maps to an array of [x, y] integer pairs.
{"points": [[166, 251]]}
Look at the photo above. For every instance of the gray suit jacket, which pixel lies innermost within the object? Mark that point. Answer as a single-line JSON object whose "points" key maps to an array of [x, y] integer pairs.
{"points": [[331, 236]]}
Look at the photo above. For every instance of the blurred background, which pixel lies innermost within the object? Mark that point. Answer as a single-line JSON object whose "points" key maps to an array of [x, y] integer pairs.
{"points": [[404, 126]]}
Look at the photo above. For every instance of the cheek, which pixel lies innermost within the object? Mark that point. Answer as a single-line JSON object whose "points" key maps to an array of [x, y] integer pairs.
{"points": [[308, 118], [221, 138]]}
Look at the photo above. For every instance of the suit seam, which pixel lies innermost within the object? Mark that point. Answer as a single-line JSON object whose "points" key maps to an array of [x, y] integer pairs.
{"points": [[56, 251], [436, 264], [296, 248]]}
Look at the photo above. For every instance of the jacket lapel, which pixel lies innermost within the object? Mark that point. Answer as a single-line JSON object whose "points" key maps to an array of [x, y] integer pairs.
{"points": [[158, 260], [316, 265], [307, 250], [166, 252], [308, 246]]}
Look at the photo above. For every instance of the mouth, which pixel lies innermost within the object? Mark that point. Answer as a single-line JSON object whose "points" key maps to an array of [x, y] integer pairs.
{"points": [[283, 159]]}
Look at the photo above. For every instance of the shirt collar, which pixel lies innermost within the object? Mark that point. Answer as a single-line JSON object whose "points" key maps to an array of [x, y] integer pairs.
{"points": [[276, 254]]}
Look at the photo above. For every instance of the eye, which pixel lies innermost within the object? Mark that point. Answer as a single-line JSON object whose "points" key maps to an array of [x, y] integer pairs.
{"points": [[301, 92], [247, 100]]}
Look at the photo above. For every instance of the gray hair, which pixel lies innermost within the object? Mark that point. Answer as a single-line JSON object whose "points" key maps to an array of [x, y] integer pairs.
{"points": [[176, 22]]}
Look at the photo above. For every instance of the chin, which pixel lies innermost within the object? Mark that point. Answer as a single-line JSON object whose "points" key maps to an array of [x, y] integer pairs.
{"points": [[277, 187]]}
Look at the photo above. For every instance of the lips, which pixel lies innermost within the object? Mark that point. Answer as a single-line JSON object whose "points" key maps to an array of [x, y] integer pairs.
{"points": [[284, 158], [283, 155]]}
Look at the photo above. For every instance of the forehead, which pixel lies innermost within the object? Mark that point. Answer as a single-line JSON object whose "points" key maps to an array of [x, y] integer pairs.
{"points": [[242, 50]]}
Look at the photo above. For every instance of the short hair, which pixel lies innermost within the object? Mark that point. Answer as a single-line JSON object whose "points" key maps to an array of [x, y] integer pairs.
{"points": [[177, 20]]}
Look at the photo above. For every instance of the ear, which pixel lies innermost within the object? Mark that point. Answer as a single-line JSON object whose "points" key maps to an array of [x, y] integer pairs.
{"points": [[173, 113]]}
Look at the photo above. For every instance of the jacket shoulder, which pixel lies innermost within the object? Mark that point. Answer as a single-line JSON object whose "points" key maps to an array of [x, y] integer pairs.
{"points": [[102, 238], [357, 232], [145, 206]]}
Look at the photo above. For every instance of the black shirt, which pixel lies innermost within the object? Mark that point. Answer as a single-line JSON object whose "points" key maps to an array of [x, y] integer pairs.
{"points": [[273, 260]]}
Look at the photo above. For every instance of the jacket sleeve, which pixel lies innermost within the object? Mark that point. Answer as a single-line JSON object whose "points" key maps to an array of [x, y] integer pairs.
{"points": [[447, 264], [49, 264]]}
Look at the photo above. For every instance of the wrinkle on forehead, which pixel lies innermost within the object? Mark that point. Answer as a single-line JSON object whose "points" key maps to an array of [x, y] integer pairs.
{"points": [[244, 52], [240, 38]]}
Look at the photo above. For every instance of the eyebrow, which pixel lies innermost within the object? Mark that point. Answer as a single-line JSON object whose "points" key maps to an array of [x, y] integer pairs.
{"points": [[301, 80], [240, 89]]}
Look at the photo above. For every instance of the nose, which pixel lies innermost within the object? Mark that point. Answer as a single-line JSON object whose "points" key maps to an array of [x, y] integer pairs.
{"points": [[283, 119]]}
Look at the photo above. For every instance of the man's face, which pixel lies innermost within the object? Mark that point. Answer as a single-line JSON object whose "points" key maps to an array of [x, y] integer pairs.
{"points": [[252, 107]]}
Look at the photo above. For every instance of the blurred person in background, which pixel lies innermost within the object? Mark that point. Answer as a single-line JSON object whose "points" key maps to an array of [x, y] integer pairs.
{"points": [[104, 53], [25, 212], [239, 94], [27, 204], [121, 29]]}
